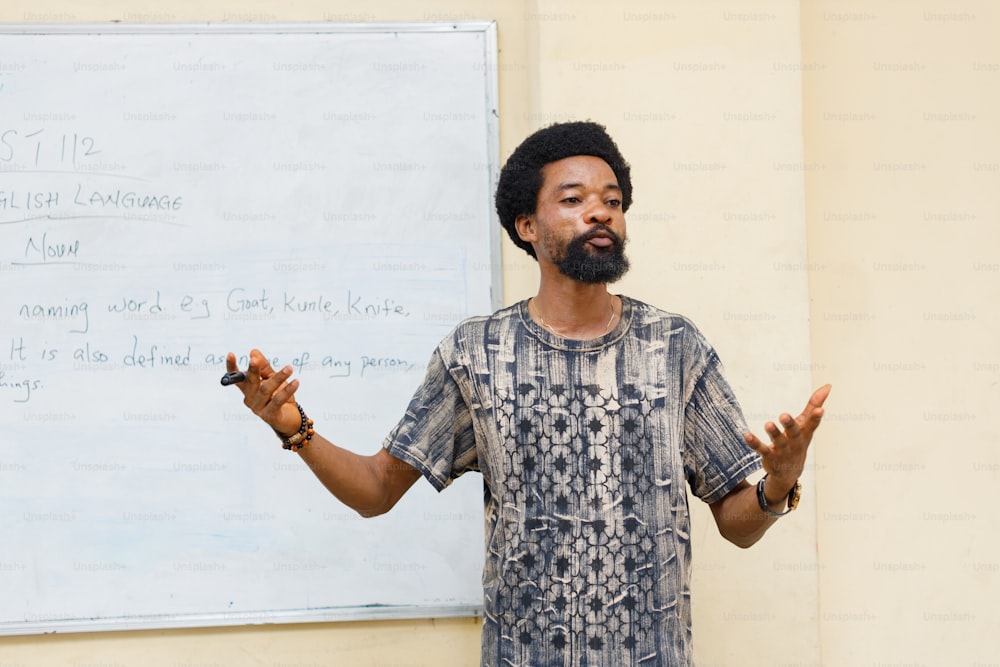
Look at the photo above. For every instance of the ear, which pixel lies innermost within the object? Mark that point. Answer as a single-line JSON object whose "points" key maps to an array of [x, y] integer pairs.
{"points": [[526, 228]]}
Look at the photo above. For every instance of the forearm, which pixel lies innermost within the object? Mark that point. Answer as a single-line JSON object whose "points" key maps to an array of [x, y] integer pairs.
{"points": [[739, 516], [370, 485], [360, 482]]}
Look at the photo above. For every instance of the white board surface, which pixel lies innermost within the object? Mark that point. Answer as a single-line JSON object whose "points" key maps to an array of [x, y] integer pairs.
{"points": [[171, 193]]}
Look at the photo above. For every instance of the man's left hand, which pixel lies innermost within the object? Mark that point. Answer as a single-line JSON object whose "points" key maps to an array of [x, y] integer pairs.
{"points": [[785, 458]]}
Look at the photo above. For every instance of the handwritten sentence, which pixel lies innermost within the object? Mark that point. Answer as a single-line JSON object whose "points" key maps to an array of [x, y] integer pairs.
{"points": [[135, 353], [238, 303]]}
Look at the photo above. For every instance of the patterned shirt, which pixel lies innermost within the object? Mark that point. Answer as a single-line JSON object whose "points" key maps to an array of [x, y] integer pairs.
{"points": [[585, 448]]}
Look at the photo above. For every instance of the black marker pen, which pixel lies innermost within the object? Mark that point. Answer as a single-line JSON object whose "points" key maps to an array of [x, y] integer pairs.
{"points": [[233, 378]]}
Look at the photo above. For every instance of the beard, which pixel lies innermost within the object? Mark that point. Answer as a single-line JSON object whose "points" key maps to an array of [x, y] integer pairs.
{"points": [[594, 265]]}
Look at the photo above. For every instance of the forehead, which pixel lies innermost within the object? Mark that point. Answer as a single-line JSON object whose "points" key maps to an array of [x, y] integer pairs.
{"points": [[585, 170]]}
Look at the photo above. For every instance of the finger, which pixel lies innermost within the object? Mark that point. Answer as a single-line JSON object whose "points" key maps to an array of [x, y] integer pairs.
{"points": [[253, 368], [259, 366], [816, 400], [263, 364], [790, 425], [275, 380], [772, 431], [755, 444], [284, 393], [813, 413]]}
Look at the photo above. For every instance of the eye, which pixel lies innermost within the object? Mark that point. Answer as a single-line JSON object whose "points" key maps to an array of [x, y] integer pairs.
{"points": [[571, 200], [614, 203]]}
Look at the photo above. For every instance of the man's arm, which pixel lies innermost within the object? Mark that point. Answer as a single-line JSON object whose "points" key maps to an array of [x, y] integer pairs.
{"points": [[739, 517], [738, 514], [370, 485]]}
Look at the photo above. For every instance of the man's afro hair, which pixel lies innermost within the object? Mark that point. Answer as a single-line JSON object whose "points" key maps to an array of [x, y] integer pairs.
{"points": [[521, 177]]}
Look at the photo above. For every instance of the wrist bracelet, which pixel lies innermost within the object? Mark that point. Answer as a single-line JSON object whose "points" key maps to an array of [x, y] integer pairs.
{"points": [[303, 436], [792, 498]]}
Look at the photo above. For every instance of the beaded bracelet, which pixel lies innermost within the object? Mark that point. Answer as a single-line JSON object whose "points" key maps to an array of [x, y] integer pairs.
{"points": [[305, 433]]}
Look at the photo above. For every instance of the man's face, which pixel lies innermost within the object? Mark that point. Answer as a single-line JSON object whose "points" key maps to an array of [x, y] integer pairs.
{"points": [[578, 223]]}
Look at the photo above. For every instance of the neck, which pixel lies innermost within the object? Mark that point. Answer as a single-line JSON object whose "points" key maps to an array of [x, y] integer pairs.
{"points": [[575, 310]]}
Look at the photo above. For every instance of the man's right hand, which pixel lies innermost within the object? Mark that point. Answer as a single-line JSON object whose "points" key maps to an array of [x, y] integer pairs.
{"points": [[269, 393]]}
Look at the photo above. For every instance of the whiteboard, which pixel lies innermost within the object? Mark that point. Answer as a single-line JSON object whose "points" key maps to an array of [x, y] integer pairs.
{"points": [[171, 193]]}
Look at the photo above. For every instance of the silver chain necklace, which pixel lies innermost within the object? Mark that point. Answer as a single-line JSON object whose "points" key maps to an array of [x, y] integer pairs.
{"points": [[541, 320]]}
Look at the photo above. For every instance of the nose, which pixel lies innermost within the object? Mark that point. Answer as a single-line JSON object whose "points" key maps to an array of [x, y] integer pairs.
{"points": [[599, 214]]}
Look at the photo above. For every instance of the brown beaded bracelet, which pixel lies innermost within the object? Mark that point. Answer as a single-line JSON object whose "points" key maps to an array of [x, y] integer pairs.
{"points": [[305, 433]]}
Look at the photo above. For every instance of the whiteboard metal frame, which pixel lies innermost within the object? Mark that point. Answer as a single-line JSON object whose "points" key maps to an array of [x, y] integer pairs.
{"points": [[238, 619], [329, 614]]}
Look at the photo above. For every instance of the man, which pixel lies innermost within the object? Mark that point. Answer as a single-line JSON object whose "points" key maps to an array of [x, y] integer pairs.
{"points": [[587, 413]]}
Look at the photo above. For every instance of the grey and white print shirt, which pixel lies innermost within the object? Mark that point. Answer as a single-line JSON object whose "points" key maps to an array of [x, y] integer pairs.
{"points": [[585, 448]]}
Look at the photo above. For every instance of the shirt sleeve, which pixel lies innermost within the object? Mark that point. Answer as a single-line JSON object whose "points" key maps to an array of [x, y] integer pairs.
{"points": [[716, 458], [436, 434]]}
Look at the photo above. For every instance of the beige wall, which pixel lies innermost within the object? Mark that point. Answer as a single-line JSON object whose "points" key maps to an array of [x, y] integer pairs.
{"points": [[902, 124], [753, 127]]}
